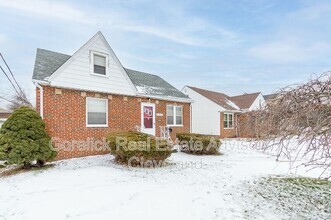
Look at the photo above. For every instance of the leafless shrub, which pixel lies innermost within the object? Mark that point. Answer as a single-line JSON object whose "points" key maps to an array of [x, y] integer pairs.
{"points": [[297, 123], [19, 97]]}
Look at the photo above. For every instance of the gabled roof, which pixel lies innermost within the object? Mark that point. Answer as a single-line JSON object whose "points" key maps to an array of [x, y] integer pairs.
{"points": [[270, 96], [151, 84], [47, 62], [219, 98], [244, 101], [4, 111], [239, 102]]}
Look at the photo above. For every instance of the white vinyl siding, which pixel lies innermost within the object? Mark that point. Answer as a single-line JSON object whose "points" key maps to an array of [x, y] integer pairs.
{"points": [[174, 115], [258, 103], [205, 114], [78, 74], [96, 112]]}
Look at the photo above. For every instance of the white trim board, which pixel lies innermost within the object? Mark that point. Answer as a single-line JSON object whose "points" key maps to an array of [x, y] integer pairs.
{"points": [[148, 130], [86, 113]]}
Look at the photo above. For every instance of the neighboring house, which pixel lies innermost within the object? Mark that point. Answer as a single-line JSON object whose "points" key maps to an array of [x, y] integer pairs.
{"points": [[4, 114], [270, 97], [215, 113], [86, 96]]}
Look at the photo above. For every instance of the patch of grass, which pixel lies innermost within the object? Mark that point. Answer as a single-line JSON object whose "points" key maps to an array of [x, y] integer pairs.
{"points": [[202, 154], [298, 197], [305, 181]]}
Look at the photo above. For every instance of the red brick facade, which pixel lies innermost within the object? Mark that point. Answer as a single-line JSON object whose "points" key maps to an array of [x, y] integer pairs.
{"points": [[65, 117], [245, 128]]}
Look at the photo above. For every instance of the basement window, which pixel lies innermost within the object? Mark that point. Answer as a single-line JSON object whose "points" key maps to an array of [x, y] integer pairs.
{"points": [[228, 120], [174, 115], [96, 112], [99, 64]]}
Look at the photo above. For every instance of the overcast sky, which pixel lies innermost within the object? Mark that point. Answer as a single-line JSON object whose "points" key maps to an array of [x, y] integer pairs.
{"points": [[227, 46]]}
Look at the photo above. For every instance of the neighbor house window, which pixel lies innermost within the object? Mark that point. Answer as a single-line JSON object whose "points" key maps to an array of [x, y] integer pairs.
{"points": [[228, 120], [174, 115], [99, 64], [96, 112]]}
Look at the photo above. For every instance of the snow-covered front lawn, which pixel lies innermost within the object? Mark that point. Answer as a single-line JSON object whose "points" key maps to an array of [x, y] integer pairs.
{"points": [[191, 187]]}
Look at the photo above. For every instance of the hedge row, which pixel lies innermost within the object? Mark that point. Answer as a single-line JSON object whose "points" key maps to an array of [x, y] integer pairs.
{"points": [[198, 144], [135, 148]]}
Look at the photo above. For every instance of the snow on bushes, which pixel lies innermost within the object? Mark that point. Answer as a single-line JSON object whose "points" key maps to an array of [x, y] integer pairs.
{"points": [[198, 144], [138, 149], [23, 139]]}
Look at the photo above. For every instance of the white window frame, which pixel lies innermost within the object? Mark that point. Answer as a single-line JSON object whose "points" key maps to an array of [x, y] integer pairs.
{"points": [[92, 53], [228, 113], [174, 110], [86, 114]]}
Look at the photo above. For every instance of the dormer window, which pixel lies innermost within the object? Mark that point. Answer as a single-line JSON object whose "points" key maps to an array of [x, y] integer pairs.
{"points": [[99, 64]]}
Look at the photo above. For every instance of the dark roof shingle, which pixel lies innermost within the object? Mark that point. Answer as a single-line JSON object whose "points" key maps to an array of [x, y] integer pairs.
{"points": [[151, 84], [244, 101], [228, 102], [47, 62], [217, 97], [270, 96]]}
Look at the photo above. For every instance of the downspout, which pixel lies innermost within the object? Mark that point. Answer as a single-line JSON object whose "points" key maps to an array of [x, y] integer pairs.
{"points": [[191, 117], [41, 100], [237, 124], [220, 122]]}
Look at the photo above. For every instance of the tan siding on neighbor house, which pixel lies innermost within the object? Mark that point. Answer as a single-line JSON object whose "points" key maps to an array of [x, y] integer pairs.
{"points": [[4, 115]]}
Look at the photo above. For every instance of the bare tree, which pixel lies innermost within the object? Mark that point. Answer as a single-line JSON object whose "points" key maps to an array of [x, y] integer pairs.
{"points": [[19, 99], [297, 123]]}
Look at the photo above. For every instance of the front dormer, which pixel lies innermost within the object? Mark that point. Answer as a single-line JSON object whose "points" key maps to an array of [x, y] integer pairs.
{"points": [[99, 64], [94, 67]]}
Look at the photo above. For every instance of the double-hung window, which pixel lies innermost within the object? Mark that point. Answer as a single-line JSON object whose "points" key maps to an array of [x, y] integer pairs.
{"points": [[99, 63], [96, 112], [174, 115], [228, 120]]}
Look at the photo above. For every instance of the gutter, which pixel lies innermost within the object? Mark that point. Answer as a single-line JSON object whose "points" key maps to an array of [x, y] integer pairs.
{"points": [[41, 82], [41, 99], [140, 95], [233, 111], [174, 99], [191, 119]]}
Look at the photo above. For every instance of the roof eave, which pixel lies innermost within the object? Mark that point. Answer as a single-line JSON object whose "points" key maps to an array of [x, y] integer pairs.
{"points": [[168, 98], [235, 111], [41, 82]]}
